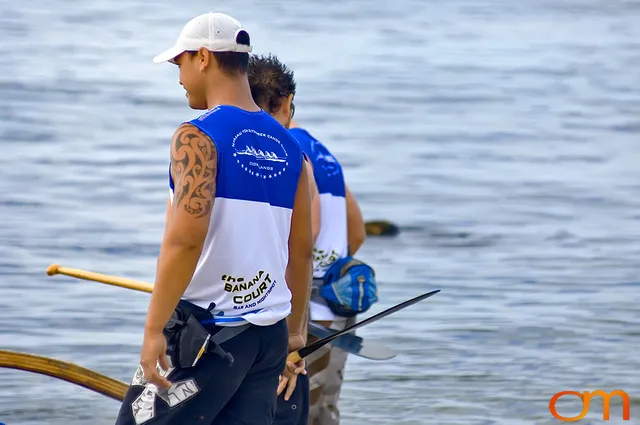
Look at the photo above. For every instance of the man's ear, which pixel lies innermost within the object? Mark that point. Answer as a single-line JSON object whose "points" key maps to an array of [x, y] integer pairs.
{"points": [[205, 58], [286, 106]]}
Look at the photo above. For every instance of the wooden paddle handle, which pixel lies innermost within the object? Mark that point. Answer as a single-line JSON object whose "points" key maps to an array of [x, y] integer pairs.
{"points": [[294, 357], [99, 277]]}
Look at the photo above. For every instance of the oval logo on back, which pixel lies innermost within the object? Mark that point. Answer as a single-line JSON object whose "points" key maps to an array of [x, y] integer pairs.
{"points": [[259, 154], [327, 162]]}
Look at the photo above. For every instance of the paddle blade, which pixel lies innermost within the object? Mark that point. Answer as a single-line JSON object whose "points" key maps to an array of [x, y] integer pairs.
{"points": [[353, 344], [304, 352]]}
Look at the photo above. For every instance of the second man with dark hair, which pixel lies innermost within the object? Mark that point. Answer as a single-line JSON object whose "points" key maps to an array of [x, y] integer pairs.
{"points": [[338, 234]]}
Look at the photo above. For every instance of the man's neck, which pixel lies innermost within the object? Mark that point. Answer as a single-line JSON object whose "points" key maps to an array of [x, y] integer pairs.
{"points": [[293, 124], [232, 91]]}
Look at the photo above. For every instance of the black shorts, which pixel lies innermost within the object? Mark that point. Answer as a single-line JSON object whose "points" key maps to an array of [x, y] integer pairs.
{"points": [[294, 411], [213, 392]]}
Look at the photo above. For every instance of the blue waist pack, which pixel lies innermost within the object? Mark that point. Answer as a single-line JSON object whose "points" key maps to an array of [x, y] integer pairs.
{"points": [[349, 287]]}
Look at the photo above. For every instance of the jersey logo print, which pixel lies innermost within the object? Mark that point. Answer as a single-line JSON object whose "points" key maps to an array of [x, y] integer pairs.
{"points": [[259, 154], [327, 162]]}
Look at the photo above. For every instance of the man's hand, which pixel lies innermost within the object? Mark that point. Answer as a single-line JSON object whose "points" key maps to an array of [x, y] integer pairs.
{"points": [[154, 350], [296, 342], [289, 377]]}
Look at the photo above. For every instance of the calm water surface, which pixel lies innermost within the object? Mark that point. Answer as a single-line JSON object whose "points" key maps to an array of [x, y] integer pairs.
{"points": [[504, 137]]}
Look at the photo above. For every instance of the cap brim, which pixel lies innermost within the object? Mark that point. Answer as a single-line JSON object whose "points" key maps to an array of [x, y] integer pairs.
{"points": [[168, 55]]}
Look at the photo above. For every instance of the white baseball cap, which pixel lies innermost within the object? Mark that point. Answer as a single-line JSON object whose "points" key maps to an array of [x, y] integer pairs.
{"points": [[216, 32]]}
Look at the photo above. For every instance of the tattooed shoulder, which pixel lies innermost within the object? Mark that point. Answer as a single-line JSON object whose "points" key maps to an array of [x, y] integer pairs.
{"points": [[194, 166]]}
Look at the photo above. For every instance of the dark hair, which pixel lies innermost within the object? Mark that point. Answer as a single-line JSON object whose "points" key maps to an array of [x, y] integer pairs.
{"points": [[270, 81], [234, 63]]}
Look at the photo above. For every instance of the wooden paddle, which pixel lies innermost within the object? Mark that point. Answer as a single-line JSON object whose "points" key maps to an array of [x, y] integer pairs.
{"points": [[66, 371], [300, 354], [294, 357], [349, 343], [117, 390]]}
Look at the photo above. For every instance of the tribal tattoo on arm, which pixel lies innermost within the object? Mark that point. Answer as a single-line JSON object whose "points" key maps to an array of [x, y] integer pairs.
{"points": [[194, 167]]}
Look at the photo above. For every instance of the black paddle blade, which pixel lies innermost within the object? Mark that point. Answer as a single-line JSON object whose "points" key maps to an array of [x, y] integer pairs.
{"points": [[304, 352], [353, 344]]}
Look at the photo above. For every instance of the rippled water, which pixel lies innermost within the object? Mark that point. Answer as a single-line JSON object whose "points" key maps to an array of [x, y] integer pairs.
{"points": [[502, 136]]}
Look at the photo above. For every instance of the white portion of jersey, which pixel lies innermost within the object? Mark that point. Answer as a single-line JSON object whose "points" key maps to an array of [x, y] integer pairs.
{"points": [[320, 312], [331, 245], [242, 265]]}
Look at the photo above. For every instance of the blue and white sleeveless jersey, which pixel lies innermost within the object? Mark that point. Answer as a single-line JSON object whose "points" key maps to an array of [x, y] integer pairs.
{"points": [[332, 242], [246, 251]]}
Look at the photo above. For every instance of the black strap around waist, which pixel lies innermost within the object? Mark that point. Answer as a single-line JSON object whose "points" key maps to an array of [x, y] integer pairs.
{"points": [[228, 332], [223, 335]]}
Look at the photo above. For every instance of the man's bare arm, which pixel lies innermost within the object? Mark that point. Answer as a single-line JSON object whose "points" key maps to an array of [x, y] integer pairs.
{"points": [[299, 268], [194, 164], [355, 224], [167, 217], [166, 223], [315, 202]]}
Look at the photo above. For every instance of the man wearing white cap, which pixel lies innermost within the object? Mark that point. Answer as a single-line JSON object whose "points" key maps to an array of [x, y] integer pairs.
{"points": [[232, 284]]}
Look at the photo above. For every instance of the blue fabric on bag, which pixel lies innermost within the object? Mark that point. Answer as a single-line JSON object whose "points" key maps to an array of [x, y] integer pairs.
{"points": [[349, 287]]}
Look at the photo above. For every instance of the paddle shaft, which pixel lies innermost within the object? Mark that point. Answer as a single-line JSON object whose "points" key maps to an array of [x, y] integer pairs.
{"points": [[121, 282], [102, 278], [294, 357]]}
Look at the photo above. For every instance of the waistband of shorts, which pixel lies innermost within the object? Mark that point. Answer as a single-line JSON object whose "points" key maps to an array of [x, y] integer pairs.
{"points": [[205, 317], [229, 320]]}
